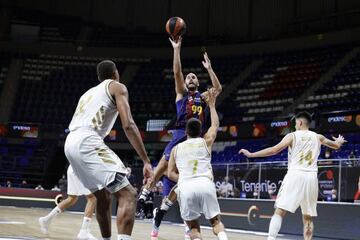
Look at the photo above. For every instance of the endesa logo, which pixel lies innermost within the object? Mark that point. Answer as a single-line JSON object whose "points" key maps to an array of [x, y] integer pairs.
{"points": [[340, 119], [279, 124], [21, 128]]}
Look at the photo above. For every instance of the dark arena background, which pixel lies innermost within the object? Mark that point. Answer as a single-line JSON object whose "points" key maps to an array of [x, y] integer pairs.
{"points": [[273, 58]]}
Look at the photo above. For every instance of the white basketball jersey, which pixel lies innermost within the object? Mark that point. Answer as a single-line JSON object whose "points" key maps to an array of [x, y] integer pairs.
{"points": [[96, 110], [193, 159], [305, 150]]}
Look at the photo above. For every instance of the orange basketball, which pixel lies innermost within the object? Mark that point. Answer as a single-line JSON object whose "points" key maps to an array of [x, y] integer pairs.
{"points": [[175, 27]]}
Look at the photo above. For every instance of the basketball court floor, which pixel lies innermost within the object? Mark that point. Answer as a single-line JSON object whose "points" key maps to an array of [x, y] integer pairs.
{"points": [[22, 223]]}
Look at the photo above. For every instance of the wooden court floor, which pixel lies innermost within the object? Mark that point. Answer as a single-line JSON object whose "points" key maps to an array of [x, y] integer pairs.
{"points": [[22, 223]]}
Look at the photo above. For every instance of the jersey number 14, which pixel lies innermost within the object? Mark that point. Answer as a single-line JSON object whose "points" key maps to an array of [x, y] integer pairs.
{"points": [[308, 157]]}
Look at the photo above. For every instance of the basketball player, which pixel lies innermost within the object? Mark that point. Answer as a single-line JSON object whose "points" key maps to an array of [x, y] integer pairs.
{"points": [[190, 167], [300, 184], [98, 167], [190, 103], [74, 190]]}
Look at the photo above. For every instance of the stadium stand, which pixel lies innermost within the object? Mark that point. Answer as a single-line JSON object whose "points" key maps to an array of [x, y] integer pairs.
{"points": [[278, 81], [340, 93], [51, 86]]}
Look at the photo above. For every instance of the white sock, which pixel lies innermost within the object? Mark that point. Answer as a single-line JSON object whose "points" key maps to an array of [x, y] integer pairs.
{"points": [[187, 229], [86, 223], [109, 238], [144, 194], [275, 225], [52, 214], [166, 204], [124, 237], [222, 236]]}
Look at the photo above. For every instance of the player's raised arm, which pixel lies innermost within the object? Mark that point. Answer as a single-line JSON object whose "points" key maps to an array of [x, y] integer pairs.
{"points": [[210, 135], [336, 144], [173, 172], [285, 142], [214, 79], [120, 93], [178, 75]]}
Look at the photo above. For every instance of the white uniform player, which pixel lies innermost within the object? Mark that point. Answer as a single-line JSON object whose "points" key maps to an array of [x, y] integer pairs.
{"points": [[93, 162], [300, 184], [196, 190], [99, 169], [190, 167]]}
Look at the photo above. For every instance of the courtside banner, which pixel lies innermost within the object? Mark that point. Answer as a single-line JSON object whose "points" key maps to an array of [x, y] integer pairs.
{"points": [[248, 183]]}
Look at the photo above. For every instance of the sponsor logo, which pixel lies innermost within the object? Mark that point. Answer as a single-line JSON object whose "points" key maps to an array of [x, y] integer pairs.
{"points": [[340, 119], [21, 128], [259, 186], [279, 124], [326, 183]]}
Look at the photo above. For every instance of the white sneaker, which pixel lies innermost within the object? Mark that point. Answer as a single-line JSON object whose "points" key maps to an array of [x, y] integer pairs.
{"points": [[44, 225], [85, 235]]}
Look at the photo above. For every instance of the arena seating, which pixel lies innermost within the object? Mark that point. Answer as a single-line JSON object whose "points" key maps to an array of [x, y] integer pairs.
{"points": [[277, 82], [52, 86], [340, 93], [273, 86]]}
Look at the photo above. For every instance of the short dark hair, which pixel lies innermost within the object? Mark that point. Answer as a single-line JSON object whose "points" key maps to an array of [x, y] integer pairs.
{"points": [[304, 115], [105, 70], [193, 127]]}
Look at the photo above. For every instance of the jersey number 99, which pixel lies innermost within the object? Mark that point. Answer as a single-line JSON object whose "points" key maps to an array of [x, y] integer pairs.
{"points": [[196, 109]]}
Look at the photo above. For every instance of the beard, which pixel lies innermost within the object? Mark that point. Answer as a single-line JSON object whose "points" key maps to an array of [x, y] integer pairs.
{"points": [[191, 87]]}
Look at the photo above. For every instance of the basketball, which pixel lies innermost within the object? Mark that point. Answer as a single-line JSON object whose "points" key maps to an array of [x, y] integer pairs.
{"points": [[175, 27]]}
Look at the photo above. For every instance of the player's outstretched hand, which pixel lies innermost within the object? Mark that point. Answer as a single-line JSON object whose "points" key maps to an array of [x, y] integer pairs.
{"points": [[245, 152], [212, 95], [206, 63], [339, 140], [148, 173], [176, 43]]}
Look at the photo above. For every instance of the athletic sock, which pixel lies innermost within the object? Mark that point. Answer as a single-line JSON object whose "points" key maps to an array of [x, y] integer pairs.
{"points": [[56, 211], [159, 215], [166, 204], [275, 225], [108, 238], [144, 194], [187, 229], [222, 236], [124, 237], [86, 223]]}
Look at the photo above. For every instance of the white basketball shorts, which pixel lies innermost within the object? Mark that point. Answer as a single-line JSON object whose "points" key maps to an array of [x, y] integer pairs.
{"points": [[197, 196], [74, 185], [299, 188], [94, 163]]}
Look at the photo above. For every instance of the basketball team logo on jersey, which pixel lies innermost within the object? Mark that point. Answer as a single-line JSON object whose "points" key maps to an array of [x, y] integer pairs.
{"points": [[192, 105]]}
